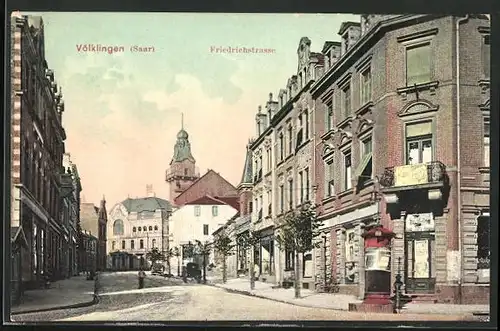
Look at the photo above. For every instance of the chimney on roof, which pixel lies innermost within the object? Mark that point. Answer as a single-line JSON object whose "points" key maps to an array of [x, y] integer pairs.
{"points": [[149, 191]]}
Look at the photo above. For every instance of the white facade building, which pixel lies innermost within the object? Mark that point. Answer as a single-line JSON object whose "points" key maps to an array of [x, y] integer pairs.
{"points": [[197, 220], [135, 227]]}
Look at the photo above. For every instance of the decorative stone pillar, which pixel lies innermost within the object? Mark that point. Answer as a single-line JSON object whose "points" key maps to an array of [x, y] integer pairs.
{"points": [[360, 252], [440, 257], [398, 247], [469, 248], [318, 263], [340, 255]]}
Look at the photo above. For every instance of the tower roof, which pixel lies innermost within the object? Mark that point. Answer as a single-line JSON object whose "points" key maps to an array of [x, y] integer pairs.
{"points": [[247, 177], [182, 148]]}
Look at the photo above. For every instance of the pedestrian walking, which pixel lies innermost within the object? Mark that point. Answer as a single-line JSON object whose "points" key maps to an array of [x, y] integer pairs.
{"points": [[142, 275]]}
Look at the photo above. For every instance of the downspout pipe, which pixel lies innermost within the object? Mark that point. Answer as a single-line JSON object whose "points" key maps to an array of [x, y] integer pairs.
{"points": [[459, 172]]}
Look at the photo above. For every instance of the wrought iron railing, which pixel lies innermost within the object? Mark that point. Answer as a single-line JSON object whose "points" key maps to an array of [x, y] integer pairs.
{"points": [[436, 171]]}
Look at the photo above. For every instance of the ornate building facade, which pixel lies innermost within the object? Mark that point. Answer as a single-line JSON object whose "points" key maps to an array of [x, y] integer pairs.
{"points": [[37, 228], [393, 111], [283, 166], [135, 227]]}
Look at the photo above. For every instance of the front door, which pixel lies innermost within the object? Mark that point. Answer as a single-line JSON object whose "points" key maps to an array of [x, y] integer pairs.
{"points": [[420, 267]]}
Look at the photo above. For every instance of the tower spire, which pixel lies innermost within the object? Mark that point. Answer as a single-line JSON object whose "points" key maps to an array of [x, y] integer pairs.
{"points": [[182, 121]]}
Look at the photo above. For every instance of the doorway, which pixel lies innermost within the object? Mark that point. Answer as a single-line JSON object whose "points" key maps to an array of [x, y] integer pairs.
{"points": [[420, 270]]}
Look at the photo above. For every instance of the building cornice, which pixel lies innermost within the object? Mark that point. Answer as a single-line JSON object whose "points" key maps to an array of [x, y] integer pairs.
{"points": [[363, 44]]}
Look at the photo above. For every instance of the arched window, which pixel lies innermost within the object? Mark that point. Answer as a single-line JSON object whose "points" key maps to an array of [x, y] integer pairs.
{"points": [[123, 244], [140, 229], [134, 229], [153, 243], [144, 228], [118, 228], [132, 244], [150, 228], [141, 244], [113, 245], [156, 227]]}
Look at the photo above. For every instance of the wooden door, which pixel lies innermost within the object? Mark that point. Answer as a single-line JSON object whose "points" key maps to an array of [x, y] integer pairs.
{"points": [[420, 274]]}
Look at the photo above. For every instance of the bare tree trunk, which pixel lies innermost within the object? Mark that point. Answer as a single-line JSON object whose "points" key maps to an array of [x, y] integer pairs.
{"points": [[224, 267], [178, 266], [297, 275], [252, 269], [169, 266]]}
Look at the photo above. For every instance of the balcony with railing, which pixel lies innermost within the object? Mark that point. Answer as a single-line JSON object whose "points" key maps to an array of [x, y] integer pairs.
{"points": [[175, 173], [416, 176], [430, 176]]}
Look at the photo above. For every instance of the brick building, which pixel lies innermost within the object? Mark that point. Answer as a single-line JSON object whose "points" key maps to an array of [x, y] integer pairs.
{"points": [[37, 148], [71, 188], [93, 219], [390, 148], [283, 161], [88, 260]]}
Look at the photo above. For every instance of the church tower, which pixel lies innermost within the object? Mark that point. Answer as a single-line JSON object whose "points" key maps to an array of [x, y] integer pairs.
{"points": [[182, 171]]}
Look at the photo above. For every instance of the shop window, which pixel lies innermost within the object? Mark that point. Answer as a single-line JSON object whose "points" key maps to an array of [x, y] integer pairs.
{"points": [[350, 257], [150, 228], [156, 227], [419, 147], [483, 242], [486, 142], [123, 244]]}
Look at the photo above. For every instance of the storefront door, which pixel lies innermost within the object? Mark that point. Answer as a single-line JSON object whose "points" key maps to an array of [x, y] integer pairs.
{"points": [[420, 268]]}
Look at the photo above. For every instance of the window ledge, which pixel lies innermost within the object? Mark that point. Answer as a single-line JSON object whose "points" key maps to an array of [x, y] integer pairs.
{"points": [[365, 108], [329, 199], [346, 192], [345, 121], [484, 170], [328, 134], [280, 162], [418, 87]]}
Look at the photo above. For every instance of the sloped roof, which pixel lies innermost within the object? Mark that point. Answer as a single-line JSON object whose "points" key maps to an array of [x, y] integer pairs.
{"points": [[231, 201], [146, 204], [247, 176], [345, 25], [210, 200], [201, 179]]}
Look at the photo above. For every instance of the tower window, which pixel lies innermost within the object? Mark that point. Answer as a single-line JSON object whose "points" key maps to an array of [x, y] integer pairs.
{"points": [[185, 172]]}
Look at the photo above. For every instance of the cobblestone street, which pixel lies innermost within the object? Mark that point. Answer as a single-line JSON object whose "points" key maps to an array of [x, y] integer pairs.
{"points": [[172, 300]]}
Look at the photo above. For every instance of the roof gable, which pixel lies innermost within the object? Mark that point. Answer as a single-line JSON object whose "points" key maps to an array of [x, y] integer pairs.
{"points": [[200, 181]]}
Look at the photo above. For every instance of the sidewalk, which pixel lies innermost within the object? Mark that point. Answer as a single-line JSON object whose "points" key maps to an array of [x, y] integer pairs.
{"points": [[313, 299], [67, 293]]}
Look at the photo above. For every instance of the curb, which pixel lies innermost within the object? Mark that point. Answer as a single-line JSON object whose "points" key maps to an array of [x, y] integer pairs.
{"points": [[247, 293], [94, 301]]}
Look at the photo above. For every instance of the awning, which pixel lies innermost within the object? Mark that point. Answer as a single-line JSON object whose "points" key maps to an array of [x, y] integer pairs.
{"points": [[362, 166]]}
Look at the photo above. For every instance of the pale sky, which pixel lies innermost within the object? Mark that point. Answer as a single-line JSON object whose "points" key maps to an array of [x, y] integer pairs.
{"points": [[123, 111]]}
